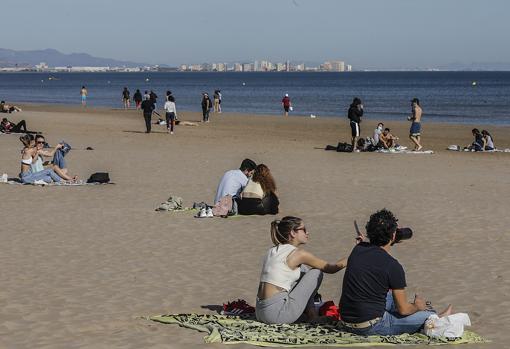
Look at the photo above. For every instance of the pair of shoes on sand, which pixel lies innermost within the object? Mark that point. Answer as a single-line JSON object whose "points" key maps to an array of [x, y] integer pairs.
{"points": [[205, 213]]}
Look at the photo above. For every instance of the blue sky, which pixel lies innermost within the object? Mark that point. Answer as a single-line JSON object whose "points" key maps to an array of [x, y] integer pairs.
{"points": [[365, 33]]}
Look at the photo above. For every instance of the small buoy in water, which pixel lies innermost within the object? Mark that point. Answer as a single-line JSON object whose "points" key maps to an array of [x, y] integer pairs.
{"points": [[313, 116], [147, 79], [42, 80], [474, 83], [244, 83], [109, 82]]}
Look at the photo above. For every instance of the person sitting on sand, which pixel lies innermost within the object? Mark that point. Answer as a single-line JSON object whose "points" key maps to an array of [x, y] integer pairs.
{"points": [[27, 175], [234, 181], [478, 143], [387, 140], [6, 108], [290, 275], [488, 141], [57, 154], [259, 195], [374, 300], [7, 126], [377, 134]]}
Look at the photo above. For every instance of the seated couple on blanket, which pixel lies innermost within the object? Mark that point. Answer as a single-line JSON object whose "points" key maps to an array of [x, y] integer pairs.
{"points": [[252, 189], [32, 164], [483, 141], [374, 300]]}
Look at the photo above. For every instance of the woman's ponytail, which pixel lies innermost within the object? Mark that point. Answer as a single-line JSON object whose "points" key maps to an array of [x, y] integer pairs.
{"points": [[280, 229]]}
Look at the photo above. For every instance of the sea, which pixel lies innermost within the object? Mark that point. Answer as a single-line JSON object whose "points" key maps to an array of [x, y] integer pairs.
{"points": [[452, 97]]}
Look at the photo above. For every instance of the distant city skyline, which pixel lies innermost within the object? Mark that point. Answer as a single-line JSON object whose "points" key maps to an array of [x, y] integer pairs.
{"points": [[369, 34]]}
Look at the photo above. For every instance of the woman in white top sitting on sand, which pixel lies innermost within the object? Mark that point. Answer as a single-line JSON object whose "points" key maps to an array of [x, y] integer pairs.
{"points": [[27, 175], [488, 141], [290, 275]]}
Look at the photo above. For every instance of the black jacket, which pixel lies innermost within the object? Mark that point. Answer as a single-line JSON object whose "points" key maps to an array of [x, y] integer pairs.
{"points": [[147, 107], [354, 113]]}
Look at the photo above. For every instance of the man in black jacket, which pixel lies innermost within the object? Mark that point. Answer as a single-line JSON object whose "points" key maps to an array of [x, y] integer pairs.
{"points": [[148, 108], [354, 114]]}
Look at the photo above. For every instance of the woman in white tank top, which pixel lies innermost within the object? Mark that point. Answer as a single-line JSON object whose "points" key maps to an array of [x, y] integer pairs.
{"points": [[290, 275]]}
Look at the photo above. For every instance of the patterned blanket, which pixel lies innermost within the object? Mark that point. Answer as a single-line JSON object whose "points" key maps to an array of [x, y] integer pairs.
{"points": [[235, 330]]}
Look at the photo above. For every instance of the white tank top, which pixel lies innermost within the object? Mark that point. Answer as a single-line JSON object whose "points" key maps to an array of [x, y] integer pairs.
{"points": [[275, 270]]}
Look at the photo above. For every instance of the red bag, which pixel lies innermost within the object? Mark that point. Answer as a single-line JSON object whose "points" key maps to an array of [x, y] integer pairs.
{"points": [[329, 309]]}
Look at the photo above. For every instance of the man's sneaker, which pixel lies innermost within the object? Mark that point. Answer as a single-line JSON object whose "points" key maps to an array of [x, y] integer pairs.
{"points": [[209, 212]]}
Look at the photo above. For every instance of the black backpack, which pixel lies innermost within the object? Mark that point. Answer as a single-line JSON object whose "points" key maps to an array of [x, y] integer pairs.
{"points": [[99, 177]]}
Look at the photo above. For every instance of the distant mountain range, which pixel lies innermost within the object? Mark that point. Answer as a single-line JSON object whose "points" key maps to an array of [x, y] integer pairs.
{"points": [[54, 58]]}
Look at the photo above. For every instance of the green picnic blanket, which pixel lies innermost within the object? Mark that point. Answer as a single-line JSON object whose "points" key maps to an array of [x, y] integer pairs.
{"points": [[235, 330]]}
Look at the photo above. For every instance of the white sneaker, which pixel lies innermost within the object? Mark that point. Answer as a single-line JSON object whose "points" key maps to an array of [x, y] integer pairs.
{"points": [[209, 212], [202, 213], [4, 178]]}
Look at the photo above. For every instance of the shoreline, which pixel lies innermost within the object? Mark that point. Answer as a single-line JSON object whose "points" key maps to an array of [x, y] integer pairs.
{"points": [[62, 107]]}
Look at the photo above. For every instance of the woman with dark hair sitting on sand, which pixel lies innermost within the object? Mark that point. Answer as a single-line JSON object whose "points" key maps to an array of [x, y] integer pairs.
{"points": [[57, 155], [477, 144], [259, 196], [27, 175], [488, 141], [290, 275]]}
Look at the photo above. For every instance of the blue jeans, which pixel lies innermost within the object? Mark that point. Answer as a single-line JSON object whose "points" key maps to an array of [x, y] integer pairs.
{"points": [[47, 175], [392, 323], [58, 158]]}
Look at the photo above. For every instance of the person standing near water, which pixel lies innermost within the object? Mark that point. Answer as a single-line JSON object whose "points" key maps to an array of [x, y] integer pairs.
{"points": [[83, 94], [206, 107], [137, 98], [415, 131], [148, 108], [170, 113], [354, 114], [125, 98], [286, 104]]}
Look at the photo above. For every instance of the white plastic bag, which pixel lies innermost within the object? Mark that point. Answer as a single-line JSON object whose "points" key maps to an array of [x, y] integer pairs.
{"points": [[451, 326]]}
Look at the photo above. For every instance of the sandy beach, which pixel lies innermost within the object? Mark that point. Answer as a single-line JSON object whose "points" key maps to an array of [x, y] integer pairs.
{"points": [[82, 266]]}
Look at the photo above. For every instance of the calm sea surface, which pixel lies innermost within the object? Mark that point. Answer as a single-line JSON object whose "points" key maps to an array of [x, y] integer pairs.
{"points": [[445, 96]]}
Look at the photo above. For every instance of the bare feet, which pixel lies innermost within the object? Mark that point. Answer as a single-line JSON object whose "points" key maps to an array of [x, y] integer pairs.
{"points": [[446, 312], [419, 148]]}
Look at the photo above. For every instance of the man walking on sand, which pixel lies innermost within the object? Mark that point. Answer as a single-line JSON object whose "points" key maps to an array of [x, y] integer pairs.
{"points": [[148, 108], [415, 131], [354, 114]]}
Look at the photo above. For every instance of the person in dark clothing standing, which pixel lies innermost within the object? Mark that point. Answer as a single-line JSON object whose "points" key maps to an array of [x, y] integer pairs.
{"points": [[137, 98], [374, 300], [154, 98], [147, 107], [125, 98], [286, 104], [354, 114], [206, 107]]}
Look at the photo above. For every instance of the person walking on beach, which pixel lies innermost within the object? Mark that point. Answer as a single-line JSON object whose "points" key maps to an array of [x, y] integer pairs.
{"points": [[154, 98], [125, 98], [171, 112], [83, 94], [206, 107], [137, 98], [217, 101], [286, 104], [147, 107], [415, 118], [354, 114]]}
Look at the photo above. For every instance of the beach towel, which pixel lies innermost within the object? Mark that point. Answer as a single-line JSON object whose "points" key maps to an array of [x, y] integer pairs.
{"points": [[404, 151], [62, 184], [459, 148], [244, 329]]}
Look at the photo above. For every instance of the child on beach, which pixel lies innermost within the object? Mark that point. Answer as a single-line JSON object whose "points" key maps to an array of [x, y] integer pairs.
{"points": [[290, 275], [83, 94]]}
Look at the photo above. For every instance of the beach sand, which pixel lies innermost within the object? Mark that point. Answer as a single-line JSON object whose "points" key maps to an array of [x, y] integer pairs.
{"points": [[82, 266]]}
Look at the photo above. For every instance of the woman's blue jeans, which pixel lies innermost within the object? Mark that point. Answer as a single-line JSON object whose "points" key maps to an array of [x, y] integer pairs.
{"points": [[47, 175], [392, 323]]}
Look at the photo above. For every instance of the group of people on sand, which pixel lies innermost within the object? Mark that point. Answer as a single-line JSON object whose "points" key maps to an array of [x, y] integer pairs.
{"points": [[382, 137], [251, 190], [33, 167], [373, 300], [483, 141]]}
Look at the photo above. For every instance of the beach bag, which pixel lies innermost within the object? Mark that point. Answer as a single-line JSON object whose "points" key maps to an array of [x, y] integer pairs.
{"points": [[223, 206], [344, 147], [99, 177]]}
